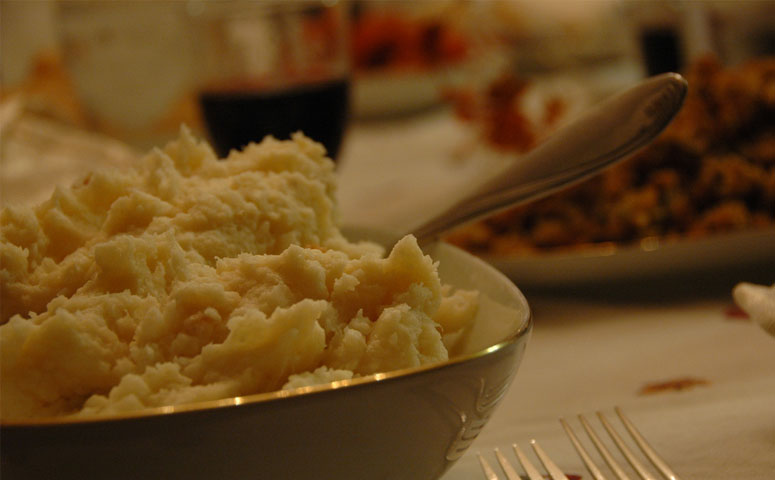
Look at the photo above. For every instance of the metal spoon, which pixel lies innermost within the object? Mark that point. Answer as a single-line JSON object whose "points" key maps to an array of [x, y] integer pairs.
{"points": [[607, 134]]}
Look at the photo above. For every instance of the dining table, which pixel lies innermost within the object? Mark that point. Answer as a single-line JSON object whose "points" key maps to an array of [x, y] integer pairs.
{"points": [[672, 349], [691, 373]]}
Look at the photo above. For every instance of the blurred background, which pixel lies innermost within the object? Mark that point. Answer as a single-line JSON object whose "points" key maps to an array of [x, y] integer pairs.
{"points": [[132, 69]]}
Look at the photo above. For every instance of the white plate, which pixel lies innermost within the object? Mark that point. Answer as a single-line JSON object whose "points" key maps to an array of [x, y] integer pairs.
{"points": [[650, 258], [396, 92]]}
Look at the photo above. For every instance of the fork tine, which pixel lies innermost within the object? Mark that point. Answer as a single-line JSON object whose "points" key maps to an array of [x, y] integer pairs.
{"points": [[551, 467], [593, 470], [603, 450], [530, 470], [650, 453], [486, 468], [511, 474], [636, 465]]}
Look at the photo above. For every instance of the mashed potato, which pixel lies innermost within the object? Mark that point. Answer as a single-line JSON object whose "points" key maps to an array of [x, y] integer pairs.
{"points": [[187, 278]]}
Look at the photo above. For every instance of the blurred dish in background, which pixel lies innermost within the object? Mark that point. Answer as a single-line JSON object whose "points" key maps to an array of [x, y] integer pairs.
{"points": [[396, 37], [711, 172], [274, 68], [405, 53], [559, 35], [514, 113]]}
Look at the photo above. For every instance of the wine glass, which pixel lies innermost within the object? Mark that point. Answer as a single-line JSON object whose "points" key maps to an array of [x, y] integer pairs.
{"points": [[274, 68]]}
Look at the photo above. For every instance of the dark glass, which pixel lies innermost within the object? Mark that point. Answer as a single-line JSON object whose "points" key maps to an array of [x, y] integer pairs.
{"points": [[236, 117], [661, 50]]}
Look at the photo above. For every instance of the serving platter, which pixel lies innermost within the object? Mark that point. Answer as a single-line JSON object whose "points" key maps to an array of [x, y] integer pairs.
{"points": [[649, 258]]}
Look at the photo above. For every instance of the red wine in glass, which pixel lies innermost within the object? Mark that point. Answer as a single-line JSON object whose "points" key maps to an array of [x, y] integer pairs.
{"points": [[240, 113], [661, 48]]}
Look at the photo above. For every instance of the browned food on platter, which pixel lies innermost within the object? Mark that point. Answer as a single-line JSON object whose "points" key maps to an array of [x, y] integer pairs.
{"points": [[498, 112], [712, 170], [386, 40]]}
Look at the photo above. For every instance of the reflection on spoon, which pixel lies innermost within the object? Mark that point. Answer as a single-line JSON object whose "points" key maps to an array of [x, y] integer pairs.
{"points": [[605, 135]]}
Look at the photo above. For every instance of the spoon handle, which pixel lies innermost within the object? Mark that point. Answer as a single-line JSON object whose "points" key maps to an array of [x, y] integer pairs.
{"points": [[606, 134]]}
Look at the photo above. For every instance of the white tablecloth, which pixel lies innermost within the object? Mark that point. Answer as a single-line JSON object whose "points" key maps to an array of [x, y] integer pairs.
{"points": [[395, 173], [592, 354]]}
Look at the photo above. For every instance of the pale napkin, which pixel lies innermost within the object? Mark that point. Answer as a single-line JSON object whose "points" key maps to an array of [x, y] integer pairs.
{"points": [[758, 301]]}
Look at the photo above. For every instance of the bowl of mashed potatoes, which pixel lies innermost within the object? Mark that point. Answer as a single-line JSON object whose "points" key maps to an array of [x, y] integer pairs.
{"points": [[196, 317]]}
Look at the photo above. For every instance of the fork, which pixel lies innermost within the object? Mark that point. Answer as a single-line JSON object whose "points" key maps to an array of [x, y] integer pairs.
{"points": [[556, 474]]}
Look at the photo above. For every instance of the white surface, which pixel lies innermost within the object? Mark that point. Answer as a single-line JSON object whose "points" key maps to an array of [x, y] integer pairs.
{"points": [[586, 356], [395, 173]]}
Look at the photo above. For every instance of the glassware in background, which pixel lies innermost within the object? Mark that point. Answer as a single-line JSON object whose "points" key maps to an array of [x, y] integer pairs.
{"points": [[273, 68], [131, 65], [670, 35], [658, 34]]}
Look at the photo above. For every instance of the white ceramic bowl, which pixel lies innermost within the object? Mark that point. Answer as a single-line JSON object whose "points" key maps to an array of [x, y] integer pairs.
{"points": [[406, 424]]}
